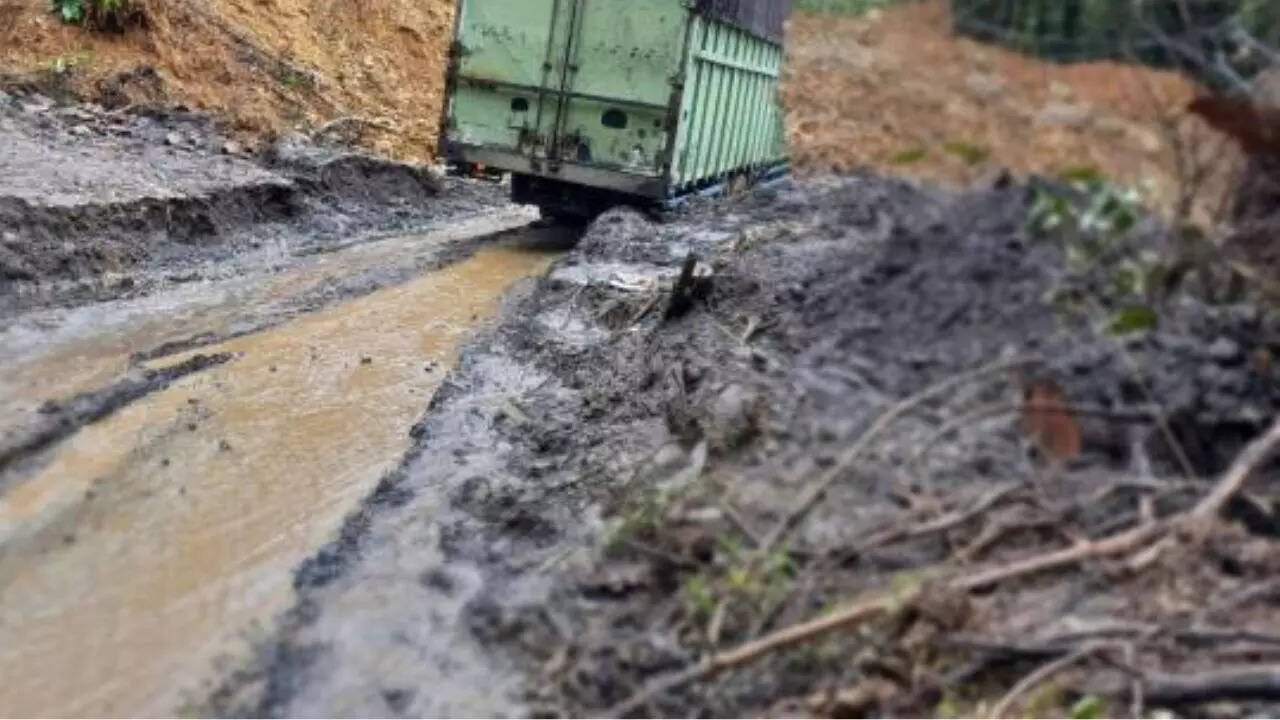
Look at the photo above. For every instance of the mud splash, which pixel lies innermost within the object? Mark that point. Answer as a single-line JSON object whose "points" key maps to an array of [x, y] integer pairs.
{"points": [[151, 541]]}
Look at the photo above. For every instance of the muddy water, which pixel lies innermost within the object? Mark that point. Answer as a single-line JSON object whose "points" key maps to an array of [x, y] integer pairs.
{"points": [[60, 353], [152, 542]]}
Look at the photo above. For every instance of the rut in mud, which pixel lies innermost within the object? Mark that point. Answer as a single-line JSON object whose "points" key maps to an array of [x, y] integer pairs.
{"points": [[148, 527], [569, 518]]}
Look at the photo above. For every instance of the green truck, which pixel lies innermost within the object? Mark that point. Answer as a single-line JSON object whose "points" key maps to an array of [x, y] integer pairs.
{"points": [[591, 103]]}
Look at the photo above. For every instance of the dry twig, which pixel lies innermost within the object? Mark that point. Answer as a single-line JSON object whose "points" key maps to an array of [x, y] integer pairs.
{"points": [[1038, 677], [1249, 681], [810, 497]]}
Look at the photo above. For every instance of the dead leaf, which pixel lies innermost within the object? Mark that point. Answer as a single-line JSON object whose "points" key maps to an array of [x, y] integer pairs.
{"points": [[1049, 422]]}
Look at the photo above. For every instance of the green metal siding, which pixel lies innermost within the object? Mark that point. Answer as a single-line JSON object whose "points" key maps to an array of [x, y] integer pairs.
{"points": [[731, 118], [644, 89]]}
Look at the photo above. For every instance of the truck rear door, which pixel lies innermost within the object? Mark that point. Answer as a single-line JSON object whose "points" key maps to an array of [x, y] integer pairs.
{"points": [[510, 71], [583, 81]]}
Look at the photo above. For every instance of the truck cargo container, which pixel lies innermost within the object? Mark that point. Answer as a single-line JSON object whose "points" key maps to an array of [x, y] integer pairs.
{"points": [[590, 103]]}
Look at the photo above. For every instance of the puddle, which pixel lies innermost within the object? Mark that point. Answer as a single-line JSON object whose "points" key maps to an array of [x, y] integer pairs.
{"points": [[153, 540], [60, 353]]}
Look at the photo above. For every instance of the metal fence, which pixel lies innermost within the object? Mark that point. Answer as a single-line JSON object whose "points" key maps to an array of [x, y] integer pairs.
{"points": [[1222, 43]]}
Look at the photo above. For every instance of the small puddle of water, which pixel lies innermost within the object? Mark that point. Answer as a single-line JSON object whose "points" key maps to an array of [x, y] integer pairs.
{"points": [[154, 539]]}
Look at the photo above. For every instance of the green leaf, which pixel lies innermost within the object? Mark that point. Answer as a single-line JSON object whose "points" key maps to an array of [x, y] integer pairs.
{"points": [[72, 11], [1085, 175], [1088, 707], [1133, 319]]}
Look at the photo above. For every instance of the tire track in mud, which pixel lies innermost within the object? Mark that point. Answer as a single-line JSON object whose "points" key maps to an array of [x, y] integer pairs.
{"points": [[60, 419], [149, 542]]}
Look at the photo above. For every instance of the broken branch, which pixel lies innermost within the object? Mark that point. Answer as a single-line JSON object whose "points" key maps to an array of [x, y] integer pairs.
{"points": [[1249, 460], [1038, 677]]}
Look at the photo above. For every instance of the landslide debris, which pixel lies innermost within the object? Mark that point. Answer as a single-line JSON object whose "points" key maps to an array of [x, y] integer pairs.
{"points": [[264, 68], [596, 497], [896, 90]]}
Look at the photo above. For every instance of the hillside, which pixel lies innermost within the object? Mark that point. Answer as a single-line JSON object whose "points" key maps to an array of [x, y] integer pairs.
{"points": [[263, 66], [893, 90]]}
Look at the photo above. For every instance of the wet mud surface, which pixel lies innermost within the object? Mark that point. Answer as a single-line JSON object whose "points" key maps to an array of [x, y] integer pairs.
{"points": [[206, 361], [596, 455], [99, 205], [148, 527]]}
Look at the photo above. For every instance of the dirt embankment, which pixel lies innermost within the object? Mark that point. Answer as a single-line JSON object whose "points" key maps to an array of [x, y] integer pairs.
{"points": [[896, 91], [265, 68], [594, 497], [891, 89]]}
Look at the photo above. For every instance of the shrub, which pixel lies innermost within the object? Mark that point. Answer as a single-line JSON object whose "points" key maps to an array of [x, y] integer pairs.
{"points": [[112, 15]]}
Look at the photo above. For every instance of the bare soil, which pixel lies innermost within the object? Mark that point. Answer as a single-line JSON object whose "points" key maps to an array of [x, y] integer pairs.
{"points": [[265, 69], [892, 90], [895, 90]]}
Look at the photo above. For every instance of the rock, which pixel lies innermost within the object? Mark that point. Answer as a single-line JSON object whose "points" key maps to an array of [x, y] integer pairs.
{"points": [[1065, 115], [1224, 350], [985, 85], [231, 147], [673, 468], [6, 99], [733, 417], [35, 104], [174, 139]]}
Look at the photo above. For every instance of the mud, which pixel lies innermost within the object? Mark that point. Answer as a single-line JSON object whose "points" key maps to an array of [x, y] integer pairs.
{"points": [[60, 419], [98, 204], [488, 557], [153, 525]]}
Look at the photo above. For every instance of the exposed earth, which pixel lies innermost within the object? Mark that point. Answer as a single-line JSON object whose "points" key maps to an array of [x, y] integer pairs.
{"points": [[290, 428], [893, 89]]}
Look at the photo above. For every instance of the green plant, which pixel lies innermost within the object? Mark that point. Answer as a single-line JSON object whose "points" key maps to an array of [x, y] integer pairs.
{"points": [[969, 153], [64, 64], [1092, 219], [113, 15], [1088, 707], [909, 156]]}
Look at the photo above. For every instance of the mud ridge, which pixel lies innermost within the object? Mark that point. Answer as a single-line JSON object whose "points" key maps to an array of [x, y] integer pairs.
{"points": [[104, 204], [60, 418], [77, 240]]}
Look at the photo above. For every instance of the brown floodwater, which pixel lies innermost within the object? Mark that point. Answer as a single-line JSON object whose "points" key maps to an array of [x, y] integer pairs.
{"points": [[155, 541]]}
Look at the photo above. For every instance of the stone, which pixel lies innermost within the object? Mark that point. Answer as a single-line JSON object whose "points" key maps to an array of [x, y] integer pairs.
{"points": [[985, 85], [1224, 349], [733, 416], [1065, 115]]}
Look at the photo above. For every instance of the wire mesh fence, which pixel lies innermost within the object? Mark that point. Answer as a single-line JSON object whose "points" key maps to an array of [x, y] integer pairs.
{"points": [[1224, 44]]}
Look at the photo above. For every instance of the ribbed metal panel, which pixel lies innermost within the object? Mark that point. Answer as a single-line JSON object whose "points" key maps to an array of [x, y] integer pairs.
{"points": [[730, 108], [762, 18]]}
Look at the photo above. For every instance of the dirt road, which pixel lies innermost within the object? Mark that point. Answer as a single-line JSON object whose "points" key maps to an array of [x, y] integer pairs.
{"points": [[146, 545]]}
